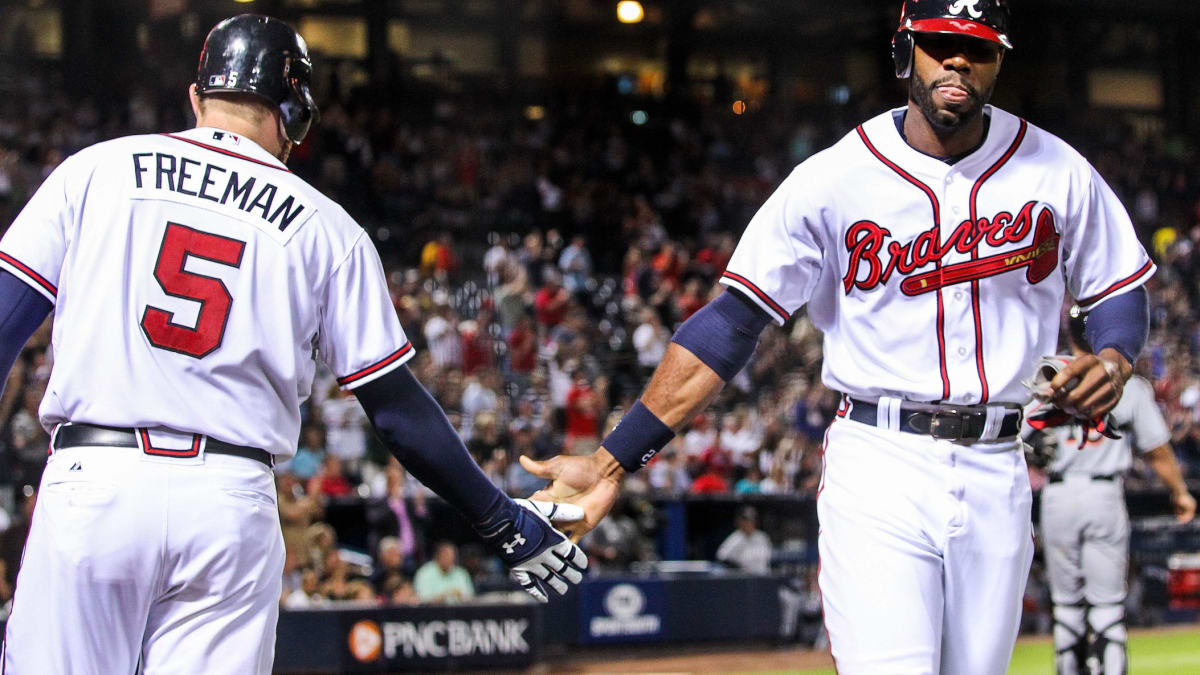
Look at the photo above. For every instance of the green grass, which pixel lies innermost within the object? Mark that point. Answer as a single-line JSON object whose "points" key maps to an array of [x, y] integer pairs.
{"points": [[1166, 653]]}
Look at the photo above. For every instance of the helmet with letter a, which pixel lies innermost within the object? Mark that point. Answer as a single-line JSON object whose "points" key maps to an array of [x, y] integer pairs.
{"points": [[983, 19], [259, 55]]}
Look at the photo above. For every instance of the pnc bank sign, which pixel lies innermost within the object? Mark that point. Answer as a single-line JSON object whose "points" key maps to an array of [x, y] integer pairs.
{"points": [[436, 639]]}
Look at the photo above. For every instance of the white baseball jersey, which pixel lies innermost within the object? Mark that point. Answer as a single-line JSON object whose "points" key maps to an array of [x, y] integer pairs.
{"points": [[195, 280], [1136, 419], [932, 281]]}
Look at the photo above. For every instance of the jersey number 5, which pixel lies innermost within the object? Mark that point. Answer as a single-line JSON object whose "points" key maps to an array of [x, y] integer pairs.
{"points": [[179, 242]]}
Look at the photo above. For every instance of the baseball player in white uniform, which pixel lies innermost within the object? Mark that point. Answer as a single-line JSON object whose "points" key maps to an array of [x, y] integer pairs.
{"points": [[194, 280], [1085, 526], [932, 246]]}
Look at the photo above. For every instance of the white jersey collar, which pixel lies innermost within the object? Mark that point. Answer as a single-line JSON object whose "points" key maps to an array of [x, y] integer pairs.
{"points": [[882, 132], [230, 143]]}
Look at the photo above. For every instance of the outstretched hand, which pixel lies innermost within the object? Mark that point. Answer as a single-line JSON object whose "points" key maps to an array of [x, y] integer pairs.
{"points": [[591, 482]]}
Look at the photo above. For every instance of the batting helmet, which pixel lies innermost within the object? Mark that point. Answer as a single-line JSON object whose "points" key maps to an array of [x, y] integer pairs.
{"points": [[984, 19], [259, 55], [1077, 327]]}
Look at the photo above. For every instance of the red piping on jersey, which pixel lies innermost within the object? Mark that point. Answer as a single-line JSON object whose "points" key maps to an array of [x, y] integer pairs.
{"points": [[937, 223], [149, 449], [1012, 150], [223, 151], [775, 306], [1119, 285], [386, 361], [41, 281]]}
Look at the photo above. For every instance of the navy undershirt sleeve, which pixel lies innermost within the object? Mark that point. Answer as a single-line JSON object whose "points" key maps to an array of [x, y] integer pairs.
{"points": [[414, 428], [22, 310], [1122, 323], [724, 333]]}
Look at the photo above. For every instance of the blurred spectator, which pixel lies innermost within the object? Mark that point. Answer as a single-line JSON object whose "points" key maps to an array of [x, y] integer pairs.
{"points": [[297, 510], [345, 424], [522, 352], [668, 472], [617, 541], [584, 407], [750, 483], [747, 548], [712, 479], [480, 397], [309, 454], [576, 265], [699, 437], [551, 300], [650, 339], [27, 439], [389, 563], [442, 338], [441, 580], [12, 540], [330, 480]]}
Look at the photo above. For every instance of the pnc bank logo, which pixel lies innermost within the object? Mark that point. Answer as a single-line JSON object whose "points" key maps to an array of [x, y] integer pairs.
{"points": [[366, 641]]}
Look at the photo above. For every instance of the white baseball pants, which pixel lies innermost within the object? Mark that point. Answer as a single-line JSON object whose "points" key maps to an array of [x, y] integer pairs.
{"points": [[925, 548], [176, 563]]}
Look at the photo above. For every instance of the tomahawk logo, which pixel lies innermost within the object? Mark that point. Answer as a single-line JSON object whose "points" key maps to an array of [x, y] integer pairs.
{"points": [[511, 546], [969, 5]]}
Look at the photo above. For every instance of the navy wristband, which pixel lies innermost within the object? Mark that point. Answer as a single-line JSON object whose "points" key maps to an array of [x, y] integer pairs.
{"points": [[637, 438]]}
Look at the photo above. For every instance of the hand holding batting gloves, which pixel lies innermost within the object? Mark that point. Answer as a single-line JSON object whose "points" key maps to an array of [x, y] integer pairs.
{"points": [[536, 554], [1098, 382]]}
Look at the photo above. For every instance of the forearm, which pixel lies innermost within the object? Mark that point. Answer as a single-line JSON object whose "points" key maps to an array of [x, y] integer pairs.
{"points": [[679, 389], [682, 386], [1162, 461]]}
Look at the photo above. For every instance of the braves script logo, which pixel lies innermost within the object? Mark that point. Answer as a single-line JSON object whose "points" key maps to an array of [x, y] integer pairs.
{"points": [[874, 252], [969, 5]]}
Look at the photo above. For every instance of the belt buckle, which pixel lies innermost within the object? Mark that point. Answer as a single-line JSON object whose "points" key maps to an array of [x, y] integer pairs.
{"points": [[946, 426]]}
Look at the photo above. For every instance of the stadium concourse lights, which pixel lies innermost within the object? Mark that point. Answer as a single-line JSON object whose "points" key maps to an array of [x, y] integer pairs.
{"points": [[630, 11]]}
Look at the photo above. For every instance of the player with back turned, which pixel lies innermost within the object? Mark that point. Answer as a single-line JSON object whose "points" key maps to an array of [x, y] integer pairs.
{"points": [[1084, 522], [933, 247], [194, 280]]}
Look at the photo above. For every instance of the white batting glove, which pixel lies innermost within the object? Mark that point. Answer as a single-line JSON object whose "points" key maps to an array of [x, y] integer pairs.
{"points": [[536, 554]]}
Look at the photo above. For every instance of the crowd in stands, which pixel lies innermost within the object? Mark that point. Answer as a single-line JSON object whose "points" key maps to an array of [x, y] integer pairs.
{"points": [[540, 265]]}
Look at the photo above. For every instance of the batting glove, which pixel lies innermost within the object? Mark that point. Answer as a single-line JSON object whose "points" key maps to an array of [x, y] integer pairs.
{"points": [[536, 554]]}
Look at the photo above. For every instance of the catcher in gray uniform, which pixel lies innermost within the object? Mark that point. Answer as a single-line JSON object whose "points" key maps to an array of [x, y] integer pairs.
{"points": [[1085, 527]]}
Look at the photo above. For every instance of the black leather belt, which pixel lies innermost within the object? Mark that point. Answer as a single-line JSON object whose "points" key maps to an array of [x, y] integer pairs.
{"points": [[83, 435], [1056, 477], [944, 422]]}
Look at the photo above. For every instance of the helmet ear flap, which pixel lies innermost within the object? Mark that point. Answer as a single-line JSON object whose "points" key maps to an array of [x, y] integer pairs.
{"points": [[902, 53]]}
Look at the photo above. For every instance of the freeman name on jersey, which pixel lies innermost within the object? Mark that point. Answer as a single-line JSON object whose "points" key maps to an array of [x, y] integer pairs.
{"points": [[217, 184]]}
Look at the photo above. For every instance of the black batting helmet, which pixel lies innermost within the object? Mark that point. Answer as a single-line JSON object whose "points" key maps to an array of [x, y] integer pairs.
{"points": [[1077, 327], [259, 55], [984, 19]]}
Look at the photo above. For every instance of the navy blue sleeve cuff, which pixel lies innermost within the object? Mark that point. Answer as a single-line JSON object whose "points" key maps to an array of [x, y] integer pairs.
{"points": [[1121, 323]]}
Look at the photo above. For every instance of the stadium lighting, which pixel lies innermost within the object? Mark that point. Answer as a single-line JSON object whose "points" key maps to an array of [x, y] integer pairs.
{"points": [[630, 11]]}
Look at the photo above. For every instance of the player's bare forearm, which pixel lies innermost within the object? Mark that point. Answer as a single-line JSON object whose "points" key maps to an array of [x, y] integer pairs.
{"points": [[1099, 382], [680, 387], [1162, 461]]}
